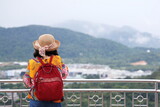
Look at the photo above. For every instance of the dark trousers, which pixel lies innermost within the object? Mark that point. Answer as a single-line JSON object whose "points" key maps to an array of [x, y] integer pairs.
{"points": [[35, 103]]}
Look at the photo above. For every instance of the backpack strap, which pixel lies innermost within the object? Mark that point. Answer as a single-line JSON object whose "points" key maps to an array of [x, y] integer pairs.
{"points": [[35, 60], [51, 59], [40, 60]]}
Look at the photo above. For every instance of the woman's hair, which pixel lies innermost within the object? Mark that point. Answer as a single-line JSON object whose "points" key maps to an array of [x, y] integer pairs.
{"points": [[48, 53]]}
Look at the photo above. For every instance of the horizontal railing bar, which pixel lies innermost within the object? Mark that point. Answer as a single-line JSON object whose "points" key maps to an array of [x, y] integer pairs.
{"points": [[71, 105], [118, 105], [91, 80], [11, 81], [113, 80], [89, 90], [140, 106], [158, 91], [95, 105], [14, 90], [111, 90]]}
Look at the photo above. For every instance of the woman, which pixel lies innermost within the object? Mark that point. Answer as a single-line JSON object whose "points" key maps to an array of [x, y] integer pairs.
{"points": [[45, 52]]}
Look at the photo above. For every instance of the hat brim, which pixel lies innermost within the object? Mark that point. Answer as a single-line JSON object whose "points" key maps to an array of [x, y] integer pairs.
{"points": [[55, 46]]}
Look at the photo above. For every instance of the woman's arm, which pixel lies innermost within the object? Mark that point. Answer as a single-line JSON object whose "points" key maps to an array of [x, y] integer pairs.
{"points": [[27, 80], [65, 71]]}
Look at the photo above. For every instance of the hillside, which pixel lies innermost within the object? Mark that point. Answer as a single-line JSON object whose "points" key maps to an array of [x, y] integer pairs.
{"points": [[76, 47], [16, 43]]}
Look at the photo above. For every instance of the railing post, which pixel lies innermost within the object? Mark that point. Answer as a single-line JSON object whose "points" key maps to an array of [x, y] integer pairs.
{"points": [[12, 99], [156, 94]]}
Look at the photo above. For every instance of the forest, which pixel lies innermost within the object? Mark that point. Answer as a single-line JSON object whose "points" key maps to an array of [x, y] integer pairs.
{"points": [[76, 47]]}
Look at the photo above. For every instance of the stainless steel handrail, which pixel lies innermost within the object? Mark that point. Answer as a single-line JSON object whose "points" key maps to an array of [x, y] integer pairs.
{"points": [[88, 90], [92, 80]]}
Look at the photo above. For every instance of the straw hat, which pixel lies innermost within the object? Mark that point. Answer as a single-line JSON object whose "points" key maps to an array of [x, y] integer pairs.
{"points": [[46, 42]]}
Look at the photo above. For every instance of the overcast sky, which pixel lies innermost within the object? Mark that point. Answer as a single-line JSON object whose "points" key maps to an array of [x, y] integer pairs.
{"points": [[144, 15]]}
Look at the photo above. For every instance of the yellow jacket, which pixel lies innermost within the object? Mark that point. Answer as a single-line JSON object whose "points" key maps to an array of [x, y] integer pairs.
{"points": [[34, 64]]}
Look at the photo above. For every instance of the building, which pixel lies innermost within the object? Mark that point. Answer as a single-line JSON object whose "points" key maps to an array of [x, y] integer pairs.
{"points": [[139, 63]]}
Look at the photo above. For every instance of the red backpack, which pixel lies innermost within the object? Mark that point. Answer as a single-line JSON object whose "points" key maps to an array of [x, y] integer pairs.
{"points": [[48, 82]]}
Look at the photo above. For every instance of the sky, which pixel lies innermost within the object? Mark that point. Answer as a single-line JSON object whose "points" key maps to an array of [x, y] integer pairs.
{"points": [[143, 15]]}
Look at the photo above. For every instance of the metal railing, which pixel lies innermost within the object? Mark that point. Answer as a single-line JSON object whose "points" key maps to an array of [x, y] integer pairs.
{"points": [[92, 97]]}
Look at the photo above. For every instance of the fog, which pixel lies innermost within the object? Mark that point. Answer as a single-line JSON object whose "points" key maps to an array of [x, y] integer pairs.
{"points": [[140, 14]]}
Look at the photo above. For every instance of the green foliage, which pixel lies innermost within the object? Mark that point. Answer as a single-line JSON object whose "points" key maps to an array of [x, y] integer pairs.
{"points": [[154, 75], [95, 76], [16, 45], [12, 86], [10, 67]]}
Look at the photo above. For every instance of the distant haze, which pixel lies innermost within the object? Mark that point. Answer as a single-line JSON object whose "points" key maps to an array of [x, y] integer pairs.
{"points": [[126, 35], [140, 14]]}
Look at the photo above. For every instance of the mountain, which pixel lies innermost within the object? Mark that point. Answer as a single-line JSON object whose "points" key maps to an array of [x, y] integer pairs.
{"points": [[76, 47], [16, 43], [125, 34], [96, 30]]}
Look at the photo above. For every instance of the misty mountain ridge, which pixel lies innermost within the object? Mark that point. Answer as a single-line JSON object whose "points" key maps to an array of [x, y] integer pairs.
{"points": [[125, 34]]}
